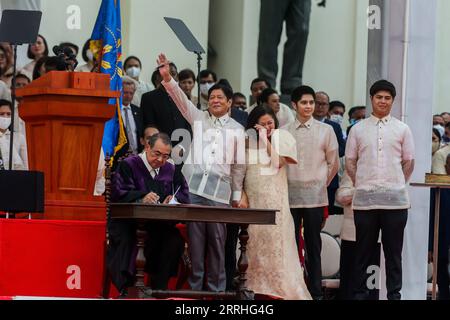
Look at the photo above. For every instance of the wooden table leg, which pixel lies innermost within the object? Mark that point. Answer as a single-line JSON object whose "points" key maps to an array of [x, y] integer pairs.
{"points": [[138, 290], [437, 203], [242, 292]]}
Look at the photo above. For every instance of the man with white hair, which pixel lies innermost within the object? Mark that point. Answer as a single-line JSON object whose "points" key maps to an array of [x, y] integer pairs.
{"points": [[131, 115]]}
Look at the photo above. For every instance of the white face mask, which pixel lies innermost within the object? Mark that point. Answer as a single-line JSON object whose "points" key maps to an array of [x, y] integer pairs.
{"points": [[440, 128], [5, 123], [90, 55], [204, 88], [337, 118], [133, 72]]}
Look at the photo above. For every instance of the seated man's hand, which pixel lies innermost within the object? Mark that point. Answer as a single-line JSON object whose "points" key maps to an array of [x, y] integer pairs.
{"points": [[168, 199], [151, 198]]}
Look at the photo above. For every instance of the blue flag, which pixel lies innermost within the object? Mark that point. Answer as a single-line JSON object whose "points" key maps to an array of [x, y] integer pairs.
{"points": [[106, 44]]}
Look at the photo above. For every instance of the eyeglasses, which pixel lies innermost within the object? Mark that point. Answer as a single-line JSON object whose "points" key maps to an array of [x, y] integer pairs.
{"points": [[158, 155]]}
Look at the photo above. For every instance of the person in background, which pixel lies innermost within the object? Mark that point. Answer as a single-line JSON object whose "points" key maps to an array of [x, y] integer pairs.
{"points": [[131, 115], [133, 68], [149, 131], [446, 136], [355, 115], [443, 280], [446, 117], [436, 141], [22, 80], [39, 68], [160, 110], [186, 80], [239, 101], [336, 114], [36, 51], [236, 111], [20, 156], [439, 124], [257, 86], [439, 157], [283, 113], [156, 79], [72, 46], [19, 125], [45, 65], [88, 57], [6, 63], [208, 79]]}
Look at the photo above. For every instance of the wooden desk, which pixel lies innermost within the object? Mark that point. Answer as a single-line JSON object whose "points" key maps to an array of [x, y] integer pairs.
{"points": [[437, 202], [192, 213]]}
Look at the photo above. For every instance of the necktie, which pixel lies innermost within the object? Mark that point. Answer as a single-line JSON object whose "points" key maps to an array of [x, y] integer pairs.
{"points": [[153, 173], [130, 133]]}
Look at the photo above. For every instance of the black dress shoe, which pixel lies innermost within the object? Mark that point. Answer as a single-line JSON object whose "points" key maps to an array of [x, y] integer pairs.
{"points": [[123, 294]]}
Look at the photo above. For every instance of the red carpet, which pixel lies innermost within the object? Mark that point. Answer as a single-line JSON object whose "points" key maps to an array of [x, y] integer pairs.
{"points": [[54, 258], [51, 258]]}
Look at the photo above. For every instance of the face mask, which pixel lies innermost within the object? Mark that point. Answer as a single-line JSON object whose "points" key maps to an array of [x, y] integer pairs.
{"points": [[204, 88], [133, 72], [90, 55], [5, 123], [354, 121], [439, 128], [337, 118], [435, 146]]}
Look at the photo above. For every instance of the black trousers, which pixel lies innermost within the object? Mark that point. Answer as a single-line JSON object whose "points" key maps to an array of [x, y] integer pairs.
{"points": [[311, 219], [163, 249], [442, 275], [368, 225], [230, 253], [296, 14], [347, 271]]}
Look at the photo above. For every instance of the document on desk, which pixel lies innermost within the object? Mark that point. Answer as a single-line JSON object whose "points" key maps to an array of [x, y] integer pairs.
{"points": [[174, 201]]}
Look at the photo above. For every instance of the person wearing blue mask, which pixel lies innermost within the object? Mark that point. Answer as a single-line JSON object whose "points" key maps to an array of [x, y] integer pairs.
{"points": [[336, 114], [439, 124]]}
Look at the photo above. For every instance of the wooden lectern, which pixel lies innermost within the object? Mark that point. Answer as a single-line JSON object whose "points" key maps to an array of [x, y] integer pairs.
{"points": [[65, 115]]}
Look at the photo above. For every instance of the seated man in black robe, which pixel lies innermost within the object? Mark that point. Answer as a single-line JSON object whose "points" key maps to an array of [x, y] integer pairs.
{"points": [[150, 179]]}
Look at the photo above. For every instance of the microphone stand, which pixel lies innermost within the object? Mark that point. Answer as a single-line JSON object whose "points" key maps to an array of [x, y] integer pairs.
{"points": [[13, 109]]}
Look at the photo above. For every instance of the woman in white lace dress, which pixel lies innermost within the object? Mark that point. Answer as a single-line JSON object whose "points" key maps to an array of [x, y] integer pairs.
{"points": [[273, 261]]}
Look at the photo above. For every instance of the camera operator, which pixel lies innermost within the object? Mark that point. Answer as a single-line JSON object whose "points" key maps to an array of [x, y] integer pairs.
{"points": [[67, 58]]}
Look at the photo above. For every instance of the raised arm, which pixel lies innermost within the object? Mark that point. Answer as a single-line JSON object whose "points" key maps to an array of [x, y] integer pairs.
{"points": [[186, 107]]}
